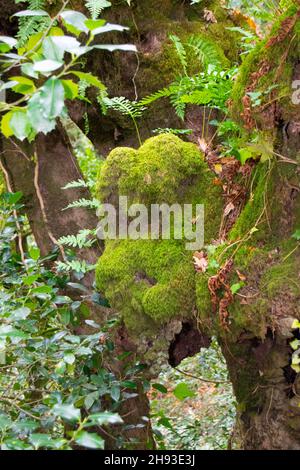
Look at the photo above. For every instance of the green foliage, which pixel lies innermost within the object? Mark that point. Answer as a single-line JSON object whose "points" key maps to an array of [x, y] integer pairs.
{"points": [[205, 418], [29, 26], [210, 88], [81, 240], [89, 203], [124, 106], [53, 382], [95, 7], [45, 82]]}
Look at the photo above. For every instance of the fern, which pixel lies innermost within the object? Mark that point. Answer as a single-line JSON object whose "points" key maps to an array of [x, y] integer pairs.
{"points": [[169, 130], [29, 26], [85, 203], [126, 107], [210, 88], [206, 51], [95, 7], [181, 52], [81, 240], [78, 266], [163, 93], [76, 184]]}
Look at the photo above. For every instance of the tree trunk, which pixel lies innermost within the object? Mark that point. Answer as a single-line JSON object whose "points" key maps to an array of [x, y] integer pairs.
{"points": [[257, 346]]}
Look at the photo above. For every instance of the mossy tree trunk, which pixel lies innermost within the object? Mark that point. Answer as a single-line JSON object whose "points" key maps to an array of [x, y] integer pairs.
{"points": [[257, 344], [254, 327]]}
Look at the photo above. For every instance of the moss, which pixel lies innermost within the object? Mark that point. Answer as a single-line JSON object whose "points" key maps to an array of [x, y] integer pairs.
{"points": [[203, 301], [152, 282], [282, 277], [281, 58], [252, 216], [164, 170], [148, 282]]}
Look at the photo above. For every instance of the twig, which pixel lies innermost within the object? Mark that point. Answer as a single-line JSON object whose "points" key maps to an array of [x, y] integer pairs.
{"points": [[19, 229], [42, 207], [201, 378]]}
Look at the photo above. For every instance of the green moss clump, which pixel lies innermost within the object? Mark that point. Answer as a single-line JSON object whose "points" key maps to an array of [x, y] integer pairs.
{"points": [[148, 282], [151, 282], [164, 170]]}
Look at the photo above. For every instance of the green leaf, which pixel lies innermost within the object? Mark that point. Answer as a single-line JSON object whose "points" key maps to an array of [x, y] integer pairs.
{"points": [[108, 27], [296, 235], [8, 331], [5, 422], [90, 79], [54, 47], [42, 290], [90, 399], [295, 344], [75, 19], [28, 69], [47, 65], [245, 154], [11, 42], [236, 287], [20, 313], [34, 253], [31, 13], [295, 325], [69, 358], [39, 440], [46, 105], [93, 24], [23, 85], [30, 279], [13, 198], [115, 392], [5, 125], [118, 47], [104, 418], [89, 440], [161, 388], [67, 412], [71, 89], [182, 391], [20, 125]]}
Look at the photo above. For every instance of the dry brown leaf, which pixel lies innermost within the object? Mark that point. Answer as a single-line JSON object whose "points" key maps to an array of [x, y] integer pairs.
{"points": [[209, 16], [228, 209], [241, 276], [200, 261]]}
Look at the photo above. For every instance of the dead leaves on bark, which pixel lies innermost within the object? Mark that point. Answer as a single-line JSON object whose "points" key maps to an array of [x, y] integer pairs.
{"points": [[286, 27], [219, 283]]}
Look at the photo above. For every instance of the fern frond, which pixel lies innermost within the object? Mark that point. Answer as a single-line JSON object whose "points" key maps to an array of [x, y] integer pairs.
{"points": [[78, 266], [81, 240], [181, 52], [76, 184], [124, 106], [95, 7], [163, 93], [28, 26], [169, 130], [207, 51], [86, 203]]}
